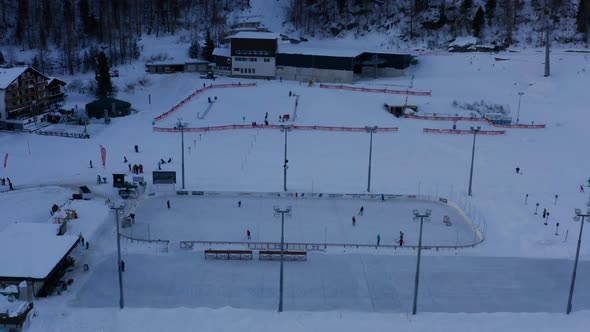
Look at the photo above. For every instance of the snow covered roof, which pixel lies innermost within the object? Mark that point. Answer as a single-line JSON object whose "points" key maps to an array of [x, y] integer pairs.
{"points": [[255, 35], [12, 308], [222, 51], [8, 75], [31, 250]]}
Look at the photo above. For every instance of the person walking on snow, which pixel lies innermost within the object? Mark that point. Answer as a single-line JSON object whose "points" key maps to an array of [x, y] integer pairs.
{"points": [[91, 164], [136, 147], [517, 170], [129, 167], [248, 234], [124, 159], [239, 204], [140, 169], [544, 213], [581, 188], [378, 239], [361, 210], [353, 221], [168, 204]]}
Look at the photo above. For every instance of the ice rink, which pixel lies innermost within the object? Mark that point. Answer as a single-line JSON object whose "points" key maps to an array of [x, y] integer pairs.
{"points": [[313, 220]]}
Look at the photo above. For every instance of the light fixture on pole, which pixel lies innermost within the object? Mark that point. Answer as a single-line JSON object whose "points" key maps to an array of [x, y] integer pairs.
{"points": [[181, 125], [421, 217], [282, 212], [117, 209], [579, 217], [370, 130], [518, 112], [285, 129], [475, 130]]}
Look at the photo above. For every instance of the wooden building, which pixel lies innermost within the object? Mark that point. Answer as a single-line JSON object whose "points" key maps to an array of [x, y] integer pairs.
{"points": [[253, 54], [26, 95]]}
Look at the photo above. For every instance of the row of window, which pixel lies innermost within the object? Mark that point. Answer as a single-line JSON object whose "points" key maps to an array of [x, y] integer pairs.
{"points": [[253, 52], [239, 59], [245, 70]]}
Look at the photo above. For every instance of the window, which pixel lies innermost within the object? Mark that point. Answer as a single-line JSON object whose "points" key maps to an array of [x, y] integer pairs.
{"points": [[253, 70], [241, 70], [236, 69], [266, 60]]}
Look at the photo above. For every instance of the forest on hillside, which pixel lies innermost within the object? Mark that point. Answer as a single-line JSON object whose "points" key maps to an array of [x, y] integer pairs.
{"points": [[67, 35]]}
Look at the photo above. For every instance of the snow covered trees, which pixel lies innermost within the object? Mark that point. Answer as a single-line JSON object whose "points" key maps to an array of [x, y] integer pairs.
{"points": [[104, 86]]}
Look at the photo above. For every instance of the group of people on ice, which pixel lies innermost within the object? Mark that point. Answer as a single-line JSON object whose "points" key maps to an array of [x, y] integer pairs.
{"points": [[4, 181], [399, 241]]}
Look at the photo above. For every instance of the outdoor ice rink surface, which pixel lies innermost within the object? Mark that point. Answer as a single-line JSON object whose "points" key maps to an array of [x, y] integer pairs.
{"points": [[313, 220]]}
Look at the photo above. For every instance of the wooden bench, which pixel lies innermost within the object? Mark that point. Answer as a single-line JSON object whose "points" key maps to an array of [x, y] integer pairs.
{"points": [[228, 254], [272, 255]]}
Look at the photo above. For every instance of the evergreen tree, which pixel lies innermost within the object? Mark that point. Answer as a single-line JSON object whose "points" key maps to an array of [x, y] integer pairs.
{"points": [[466, 6], [582, 18], [193, 50], [208, 48], [490, 10], [478, 22], [36, 63], [104, 86], [1, 58]]}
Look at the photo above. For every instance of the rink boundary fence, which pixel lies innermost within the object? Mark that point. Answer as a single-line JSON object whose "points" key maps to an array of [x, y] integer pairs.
{"points": [[435, 117], [462, 132], [272, 126], [198, 92], [164, 243]]}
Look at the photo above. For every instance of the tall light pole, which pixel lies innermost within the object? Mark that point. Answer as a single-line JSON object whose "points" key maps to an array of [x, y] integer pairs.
{"points": [[579, 217], [370, 130], [285, 129], [117, 209], [181, 125], [282, 212], [421, 216], [475, 130], [518, 112]]}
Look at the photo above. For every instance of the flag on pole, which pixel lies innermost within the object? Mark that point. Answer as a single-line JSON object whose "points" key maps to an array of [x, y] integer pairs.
{"points": [[103, 155], [5, 160]]}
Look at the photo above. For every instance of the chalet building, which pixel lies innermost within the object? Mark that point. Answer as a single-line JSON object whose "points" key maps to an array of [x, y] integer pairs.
{"points": [[253, 54], [170, 67], [26, 96], [261, 55]]}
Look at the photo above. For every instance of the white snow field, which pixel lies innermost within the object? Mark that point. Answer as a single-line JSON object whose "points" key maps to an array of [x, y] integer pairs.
{"points": [[517, 279]]}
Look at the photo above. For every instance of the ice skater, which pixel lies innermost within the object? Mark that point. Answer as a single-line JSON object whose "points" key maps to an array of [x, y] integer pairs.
{"points": [[361, 211], [136, 147], [91, 164], [353, 221], [518, 170], [239, 204], [378, 239], [248, 234], [544, 213], [168, 204]]}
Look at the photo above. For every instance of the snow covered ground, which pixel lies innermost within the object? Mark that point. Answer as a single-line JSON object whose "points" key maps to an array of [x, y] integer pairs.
{"points": [[519, 277]]}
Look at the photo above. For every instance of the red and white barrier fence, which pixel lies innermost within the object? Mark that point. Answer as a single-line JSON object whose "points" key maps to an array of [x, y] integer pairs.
{"points": [[235, 127], [385, 90], [199, 91], [462, 132], [464, 118]]}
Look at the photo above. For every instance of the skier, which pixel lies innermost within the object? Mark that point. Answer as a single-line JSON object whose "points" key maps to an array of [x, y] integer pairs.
{"points": [[129, 167], [517, 170], [361, 210], [239, 204], [91, 164], [168, 204], [401, 242], [87, 245], [10, 187], [136, 148], [124, 159], [290, 93], [98, 179], [581, 188], [248, 233], [140, 168], [353, 221], [544, 213], [122, 266], [378, 239], [169, 160]]}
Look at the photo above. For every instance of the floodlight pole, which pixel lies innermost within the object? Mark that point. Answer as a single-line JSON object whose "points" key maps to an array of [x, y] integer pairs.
{"points": [[571, 294], [475, 131], [181, 126], [121, 298], [421, 216], [370, 130], [286, 129], [518, 112], [282, 212]]}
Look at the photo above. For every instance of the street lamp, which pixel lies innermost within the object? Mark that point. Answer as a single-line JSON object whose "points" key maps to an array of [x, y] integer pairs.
{"points": [[181, 125], [518, 112], [117, 209], [285, 129], [422, 217], [370, 130], [282, 212], [579, 217], [475, 130]]}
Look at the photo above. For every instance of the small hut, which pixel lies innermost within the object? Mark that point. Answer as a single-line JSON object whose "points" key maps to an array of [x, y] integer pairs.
{"points": [[114, 107]]}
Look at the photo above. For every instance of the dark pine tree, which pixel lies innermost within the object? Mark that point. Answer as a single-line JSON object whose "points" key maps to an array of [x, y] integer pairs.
{"points": [[1, 58], [104, 86], [583, 18], [478, 22], [466, 6], [193, 50], [209, 47], [490, 10]]}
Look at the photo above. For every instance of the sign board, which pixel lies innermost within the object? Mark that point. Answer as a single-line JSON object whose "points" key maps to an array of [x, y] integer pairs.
{"points": [[163, 177], [118, 180]]}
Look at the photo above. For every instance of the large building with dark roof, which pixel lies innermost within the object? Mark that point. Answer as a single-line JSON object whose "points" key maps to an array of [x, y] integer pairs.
{"points": [[260, 55]]}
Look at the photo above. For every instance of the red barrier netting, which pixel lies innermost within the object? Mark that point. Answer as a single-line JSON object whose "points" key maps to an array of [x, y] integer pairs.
{"points": [[463, 118], [199, 91], [462, 132], [234, 127], [385, 90]]}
